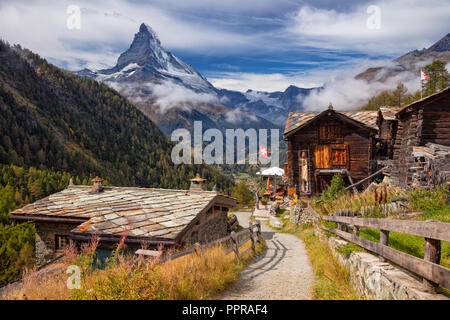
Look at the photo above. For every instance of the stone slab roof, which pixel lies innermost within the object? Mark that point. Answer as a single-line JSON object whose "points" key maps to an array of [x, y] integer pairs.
{"points": [[144, 212], [388, 113], [298, 119]]}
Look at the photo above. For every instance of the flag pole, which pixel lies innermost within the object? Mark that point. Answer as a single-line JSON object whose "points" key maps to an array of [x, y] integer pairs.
{"points": [[421, 84]]}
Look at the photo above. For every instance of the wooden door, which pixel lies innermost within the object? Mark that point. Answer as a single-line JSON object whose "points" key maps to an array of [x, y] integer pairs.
{"points": [[322, 153]]}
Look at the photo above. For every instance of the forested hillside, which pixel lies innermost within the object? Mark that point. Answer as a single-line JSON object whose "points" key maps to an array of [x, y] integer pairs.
{"points": [[52, 119], [55, 126]]}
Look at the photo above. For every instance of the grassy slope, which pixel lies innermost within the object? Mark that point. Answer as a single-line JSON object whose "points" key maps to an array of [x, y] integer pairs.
{"points": [[190, 277]]}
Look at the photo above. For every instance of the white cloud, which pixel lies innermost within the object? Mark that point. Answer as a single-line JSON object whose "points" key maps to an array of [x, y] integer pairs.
{"points": [[166, 95], [262, 82], [405, 25], [347, 93], [107, 29], [238, 116]]}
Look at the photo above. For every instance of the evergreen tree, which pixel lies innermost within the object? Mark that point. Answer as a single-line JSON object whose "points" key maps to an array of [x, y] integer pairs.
{"points": [[438, 77]]}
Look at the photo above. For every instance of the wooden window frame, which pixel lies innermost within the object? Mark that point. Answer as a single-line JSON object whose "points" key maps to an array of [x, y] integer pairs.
{"points": [[65, 237], [347, 152]]}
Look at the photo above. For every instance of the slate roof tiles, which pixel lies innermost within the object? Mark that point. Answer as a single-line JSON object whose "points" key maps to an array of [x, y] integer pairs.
{"points": [[144, 212]]}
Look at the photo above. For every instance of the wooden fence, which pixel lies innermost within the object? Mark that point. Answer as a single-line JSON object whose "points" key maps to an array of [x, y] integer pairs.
{"points": [[233, 242], [428, 268]]}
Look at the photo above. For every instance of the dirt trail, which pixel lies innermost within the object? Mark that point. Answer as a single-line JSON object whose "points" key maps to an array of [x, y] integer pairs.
{"points": [[282, 272]]}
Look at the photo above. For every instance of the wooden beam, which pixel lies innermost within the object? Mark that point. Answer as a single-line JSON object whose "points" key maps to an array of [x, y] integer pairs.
{"points": [[427, 229], [431, 271], [361, 181], [41, 218]]}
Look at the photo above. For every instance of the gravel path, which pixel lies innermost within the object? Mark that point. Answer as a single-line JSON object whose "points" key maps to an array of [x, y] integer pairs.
{"points": [[282, 272]]}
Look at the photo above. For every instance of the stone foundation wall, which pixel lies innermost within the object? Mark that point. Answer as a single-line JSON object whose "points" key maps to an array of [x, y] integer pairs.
{"points": [[45, 239], [379, 280], [211, 228]]}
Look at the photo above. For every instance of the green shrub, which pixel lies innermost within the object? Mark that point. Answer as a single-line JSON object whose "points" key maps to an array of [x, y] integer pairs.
{"points": [[335, 190], [243, 194], [16, 251]]}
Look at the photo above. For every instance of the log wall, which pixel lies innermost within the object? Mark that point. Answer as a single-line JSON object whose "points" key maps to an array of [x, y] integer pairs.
{"points": [[358, 140]]}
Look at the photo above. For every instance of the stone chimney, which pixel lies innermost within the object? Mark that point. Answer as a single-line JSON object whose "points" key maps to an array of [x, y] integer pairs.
{"points": [[198, 184], [97, 186]]}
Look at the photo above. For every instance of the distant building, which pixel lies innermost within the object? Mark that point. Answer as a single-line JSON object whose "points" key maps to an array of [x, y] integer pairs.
{"points": [[321, 144], [172, 218]]}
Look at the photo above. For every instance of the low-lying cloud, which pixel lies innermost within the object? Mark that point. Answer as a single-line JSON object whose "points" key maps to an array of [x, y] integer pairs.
{"points": [[165, 95], [347, 93]]}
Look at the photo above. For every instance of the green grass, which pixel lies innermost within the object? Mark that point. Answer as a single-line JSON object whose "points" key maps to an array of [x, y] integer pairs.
{"points": [[347, 249], [440, 214], [413, 245]]}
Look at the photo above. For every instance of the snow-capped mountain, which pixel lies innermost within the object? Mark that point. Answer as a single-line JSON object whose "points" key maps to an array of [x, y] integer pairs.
{"points": [[146, 60], [274, 106], [159, 83]]}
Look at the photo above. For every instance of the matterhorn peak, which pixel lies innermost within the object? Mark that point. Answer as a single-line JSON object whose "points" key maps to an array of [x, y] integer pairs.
{"points": [[147, 61], [145, 49], [146, 29]]}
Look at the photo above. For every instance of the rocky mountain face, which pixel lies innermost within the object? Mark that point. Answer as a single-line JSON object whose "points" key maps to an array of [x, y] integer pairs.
{"points": [[146, 61], [173, 94], [412, 61], [274, 106]]}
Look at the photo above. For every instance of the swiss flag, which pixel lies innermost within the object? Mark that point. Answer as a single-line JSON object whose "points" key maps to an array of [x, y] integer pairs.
{"points": [[423, 76], [263, 152]]}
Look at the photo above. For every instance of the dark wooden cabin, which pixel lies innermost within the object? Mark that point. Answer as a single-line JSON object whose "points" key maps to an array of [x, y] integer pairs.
{"points": [[423, 123], [387, 125], [323, 144]]}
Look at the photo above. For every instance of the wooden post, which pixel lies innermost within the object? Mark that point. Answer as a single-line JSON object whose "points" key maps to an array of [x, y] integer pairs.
{"points": [[355, 230], [235, 244], [351, 181], [432, 253], [252, 239], [197, 248], [258, 231], [384, 240]]}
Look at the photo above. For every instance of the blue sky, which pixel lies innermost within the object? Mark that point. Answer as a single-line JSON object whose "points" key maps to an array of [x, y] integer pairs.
{"points": [[237, 44]]}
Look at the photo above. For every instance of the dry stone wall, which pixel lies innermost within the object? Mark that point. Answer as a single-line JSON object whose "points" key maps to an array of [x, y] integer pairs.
{"points": [[379, 280]]}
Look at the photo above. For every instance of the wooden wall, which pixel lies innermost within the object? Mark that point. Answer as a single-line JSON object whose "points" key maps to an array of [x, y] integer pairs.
{"points": [[359, 141], [436, 123], [428, 122]]}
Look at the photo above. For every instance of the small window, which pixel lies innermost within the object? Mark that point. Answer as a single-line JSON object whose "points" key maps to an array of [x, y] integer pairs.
{"points": [[61, 242]]}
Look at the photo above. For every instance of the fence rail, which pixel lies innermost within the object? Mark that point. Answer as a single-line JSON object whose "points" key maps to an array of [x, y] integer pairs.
{"points": [[235, 240], [428, 268]]}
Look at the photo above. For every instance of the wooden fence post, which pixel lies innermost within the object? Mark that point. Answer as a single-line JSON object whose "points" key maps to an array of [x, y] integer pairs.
{"points": [[197, 248], [355, 230], [252, 239], [432, 253], [235, 244], [258, 231], [384, 240]]}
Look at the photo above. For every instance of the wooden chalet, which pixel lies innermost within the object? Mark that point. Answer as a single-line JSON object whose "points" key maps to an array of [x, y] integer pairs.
{"points": [[144, 216], [420, 143], [321, 144]]}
